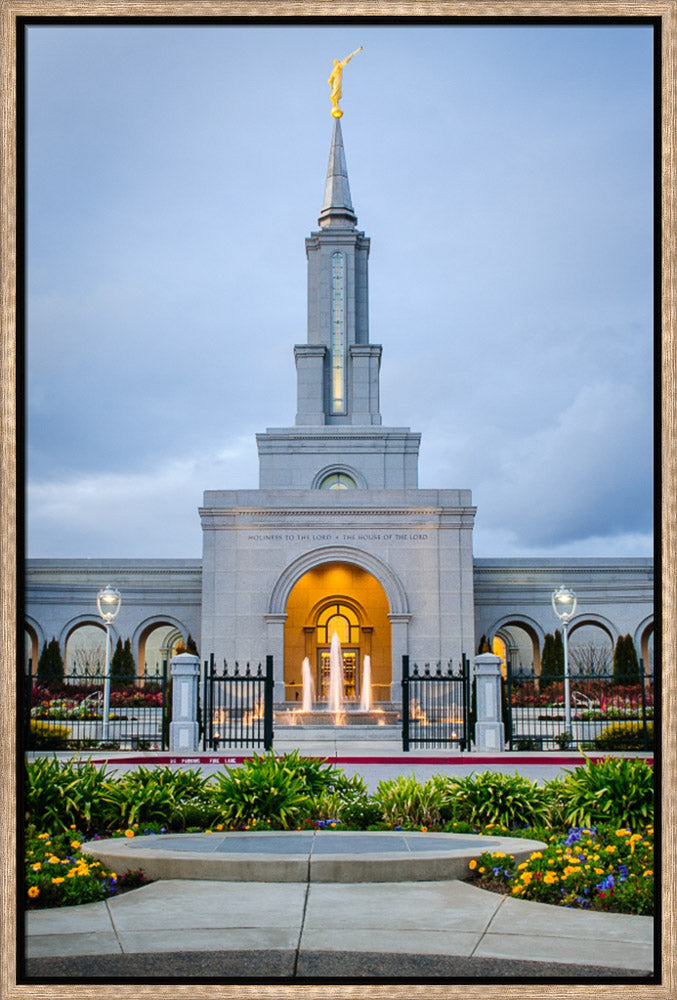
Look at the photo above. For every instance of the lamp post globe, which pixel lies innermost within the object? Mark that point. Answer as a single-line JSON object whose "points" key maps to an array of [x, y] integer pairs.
{"points": [[108, 602], [564, 606]]}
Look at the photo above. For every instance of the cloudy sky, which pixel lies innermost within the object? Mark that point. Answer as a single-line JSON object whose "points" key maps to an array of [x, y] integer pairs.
{"points": [[504, 174]]}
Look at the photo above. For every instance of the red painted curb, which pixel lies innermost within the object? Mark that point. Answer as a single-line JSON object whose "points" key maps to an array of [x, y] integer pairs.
{"points": [[466, 760]]}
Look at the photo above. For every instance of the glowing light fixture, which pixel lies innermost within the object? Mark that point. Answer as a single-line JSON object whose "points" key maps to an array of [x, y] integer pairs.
{"points": [[564, 606], [108, 602]]}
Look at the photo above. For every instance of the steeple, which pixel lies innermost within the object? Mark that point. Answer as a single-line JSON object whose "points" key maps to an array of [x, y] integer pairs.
{"points": [[338, 430], [337, 208]]}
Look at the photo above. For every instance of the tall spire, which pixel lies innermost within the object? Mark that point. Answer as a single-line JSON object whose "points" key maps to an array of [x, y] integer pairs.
{"points": [[337, 207]]}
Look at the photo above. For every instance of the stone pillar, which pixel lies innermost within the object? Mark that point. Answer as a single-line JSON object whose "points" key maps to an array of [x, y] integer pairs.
{"points": [[399, 638], [275, 648], [183, 729], [489, 731], [310, 383]]}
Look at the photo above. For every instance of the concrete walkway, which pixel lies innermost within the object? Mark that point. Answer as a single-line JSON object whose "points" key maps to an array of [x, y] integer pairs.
{"points": [[255, 930]]}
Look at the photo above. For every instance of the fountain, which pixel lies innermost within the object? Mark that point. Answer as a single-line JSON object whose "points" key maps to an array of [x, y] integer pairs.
{"points": [[335, 701], [336, 712], [365, 696], [308, 686]]}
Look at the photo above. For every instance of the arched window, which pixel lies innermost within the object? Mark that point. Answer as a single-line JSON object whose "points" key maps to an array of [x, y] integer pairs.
{"points": [[338, 618], [338, 481]]}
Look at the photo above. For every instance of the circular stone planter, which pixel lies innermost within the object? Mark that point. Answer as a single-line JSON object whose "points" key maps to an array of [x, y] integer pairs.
{"points": [[305, 855]]}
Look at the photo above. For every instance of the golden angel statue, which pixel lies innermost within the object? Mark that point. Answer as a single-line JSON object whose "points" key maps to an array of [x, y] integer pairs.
{"points": [[336, 82]]}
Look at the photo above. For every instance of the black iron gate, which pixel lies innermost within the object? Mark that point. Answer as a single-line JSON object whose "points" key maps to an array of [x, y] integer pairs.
{"points": [[607, 712], [238, 706], [67, 712], [435, 705]]}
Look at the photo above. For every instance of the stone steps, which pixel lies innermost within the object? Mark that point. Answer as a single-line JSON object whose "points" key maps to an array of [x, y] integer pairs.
{"points": [[300, 734]]}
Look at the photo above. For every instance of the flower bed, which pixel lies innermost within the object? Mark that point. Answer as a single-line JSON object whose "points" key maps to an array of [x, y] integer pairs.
{"points": [[592, 868], [59, 872]]}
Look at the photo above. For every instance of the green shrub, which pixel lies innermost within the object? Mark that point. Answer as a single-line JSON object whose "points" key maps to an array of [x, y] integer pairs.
{"points": [[346, 801], [618, 790], [510, 800], [403, 801], [269, 789], [46, 736], [174, 799], [625, 736], [60, 795]]}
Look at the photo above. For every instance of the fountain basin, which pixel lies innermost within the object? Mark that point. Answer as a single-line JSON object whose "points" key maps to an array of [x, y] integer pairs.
{"points": [[347, 717], [306, 855]]}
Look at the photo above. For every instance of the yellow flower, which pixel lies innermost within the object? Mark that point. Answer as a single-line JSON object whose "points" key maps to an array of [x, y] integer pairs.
{"points": [[56, 881], [424, 829], [536, 854], [599, 871], [481, 870], [54, 860], [36, 867], [648, 872], [75, 844], [472, 865], [129, 833], [33, 891], [219, 826], [525, 864], [610, 848]]}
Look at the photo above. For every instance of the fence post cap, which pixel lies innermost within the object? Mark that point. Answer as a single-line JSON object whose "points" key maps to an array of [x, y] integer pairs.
{"points": [[185, 663], [488, 658]]}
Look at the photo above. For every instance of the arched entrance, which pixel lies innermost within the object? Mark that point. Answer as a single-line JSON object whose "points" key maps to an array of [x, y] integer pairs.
{"points": [[346, 599]]}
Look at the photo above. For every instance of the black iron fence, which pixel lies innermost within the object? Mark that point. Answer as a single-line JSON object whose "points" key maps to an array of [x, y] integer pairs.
{"points": [[67, 712], [435, 702], [238, 706], [607, 712]]}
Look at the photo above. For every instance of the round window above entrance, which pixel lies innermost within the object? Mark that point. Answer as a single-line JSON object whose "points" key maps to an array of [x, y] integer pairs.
{"points": [[338, 481]]}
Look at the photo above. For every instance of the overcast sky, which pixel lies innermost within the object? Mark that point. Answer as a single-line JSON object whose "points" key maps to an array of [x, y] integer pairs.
{"points": [[504, 175]]}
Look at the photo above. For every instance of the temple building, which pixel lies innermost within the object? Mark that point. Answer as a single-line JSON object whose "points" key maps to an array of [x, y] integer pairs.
{"points": [[339, 537]]}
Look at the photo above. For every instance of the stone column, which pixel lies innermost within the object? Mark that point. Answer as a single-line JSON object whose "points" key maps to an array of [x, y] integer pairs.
{"points": [[275, 648], [399, 637], [489, 732], [184, 731]]}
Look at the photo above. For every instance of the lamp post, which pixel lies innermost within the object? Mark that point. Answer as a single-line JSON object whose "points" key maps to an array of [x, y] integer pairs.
{"points": [[564, 606], [108, 602]]}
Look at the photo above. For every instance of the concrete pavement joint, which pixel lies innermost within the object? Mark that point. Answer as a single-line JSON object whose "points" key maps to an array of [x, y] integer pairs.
{"points": [[112, 922], [486, 929]]}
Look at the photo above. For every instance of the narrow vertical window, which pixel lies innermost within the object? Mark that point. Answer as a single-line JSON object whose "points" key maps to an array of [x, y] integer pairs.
{"points": [[338, 336]]}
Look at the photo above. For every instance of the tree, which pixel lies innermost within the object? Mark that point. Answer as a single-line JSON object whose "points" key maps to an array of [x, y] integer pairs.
{"points": [[626, 663], [122, 666], [50, 663], [484, 646], [591, 659], [552, 657]]}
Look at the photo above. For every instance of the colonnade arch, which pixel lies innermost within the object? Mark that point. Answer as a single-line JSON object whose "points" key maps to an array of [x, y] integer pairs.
{"points": [[155, 640], [522, 638]]}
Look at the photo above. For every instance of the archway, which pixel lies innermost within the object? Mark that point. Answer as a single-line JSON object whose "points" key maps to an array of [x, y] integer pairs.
{"points": [[347, 599], [519, 642], [591, 648], [157, 643], [85, 650], [644, 640]]}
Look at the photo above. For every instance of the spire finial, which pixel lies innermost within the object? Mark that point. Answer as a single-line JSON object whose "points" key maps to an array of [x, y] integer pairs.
{"points": [[337, 208], [336, 83]]}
